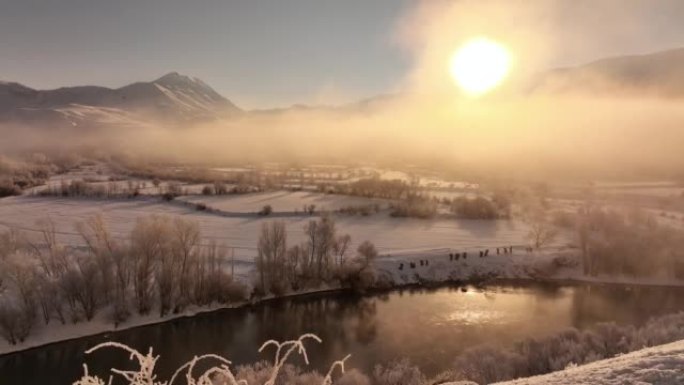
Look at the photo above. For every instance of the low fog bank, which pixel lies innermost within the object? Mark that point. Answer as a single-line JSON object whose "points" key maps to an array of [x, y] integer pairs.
{"points": [[596, 125], [517, 136]]}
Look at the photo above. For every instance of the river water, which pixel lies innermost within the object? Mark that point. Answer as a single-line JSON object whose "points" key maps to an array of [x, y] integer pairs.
{"points": [[430, 327]]}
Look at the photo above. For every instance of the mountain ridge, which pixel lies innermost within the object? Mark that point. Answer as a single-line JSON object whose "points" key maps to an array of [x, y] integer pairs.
{"points": [[171, 98], [658, 74], [178, 99]]}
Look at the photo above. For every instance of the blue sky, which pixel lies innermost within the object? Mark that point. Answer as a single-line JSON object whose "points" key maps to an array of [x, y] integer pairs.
{"points": [[258, 53]]}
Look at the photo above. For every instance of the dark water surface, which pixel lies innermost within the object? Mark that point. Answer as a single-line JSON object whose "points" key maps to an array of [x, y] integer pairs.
{"points": [[430, 327]]}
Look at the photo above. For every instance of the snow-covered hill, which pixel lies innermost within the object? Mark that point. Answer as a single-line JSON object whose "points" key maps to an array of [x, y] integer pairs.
{"points": [[660, 365], [173, 97]]}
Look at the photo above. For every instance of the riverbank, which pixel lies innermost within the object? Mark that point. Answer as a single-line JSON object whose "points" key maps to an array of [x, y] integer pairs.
{"points": [[394, 272]]}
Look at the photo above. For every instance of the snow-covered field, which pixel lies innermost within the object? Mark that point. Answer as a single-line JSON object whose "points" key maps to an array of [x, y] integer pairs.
{"points": [[282, 201], [660, 365], [95, 177], [390, 235]]}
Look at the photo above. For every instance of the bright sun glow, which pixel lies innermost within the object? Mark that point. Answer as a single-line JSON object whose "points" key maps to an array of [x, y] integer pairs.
{"points": [[480, 65]]}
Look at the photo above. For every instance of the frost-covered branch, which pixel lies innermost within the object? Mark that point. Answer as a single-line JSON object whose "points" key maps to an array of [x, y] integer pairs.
{"points": [[291, 345], [328, 377], [218, 374]]}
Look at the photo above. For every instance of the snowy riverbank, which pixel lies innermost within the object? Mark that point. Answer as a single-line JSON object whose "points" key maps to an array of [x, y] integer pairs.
{"points": [[393, 270]]}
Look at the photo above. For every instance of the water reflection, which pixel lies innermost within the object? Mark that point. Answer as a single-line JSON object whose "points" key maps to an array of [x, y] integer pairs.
{"points": [[430, 327]]}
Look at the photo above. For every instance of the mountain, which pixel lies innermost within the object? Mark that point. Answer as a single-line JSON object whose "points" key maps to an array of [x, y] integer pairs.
{"points": [[171, 98], [360, 107], [658, 74], [177, 99]]}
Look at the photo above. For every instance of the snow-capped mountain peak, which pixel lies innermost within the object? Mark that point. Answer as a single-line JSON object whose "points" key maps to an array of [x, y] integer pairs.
{"points": [[172, 98]]}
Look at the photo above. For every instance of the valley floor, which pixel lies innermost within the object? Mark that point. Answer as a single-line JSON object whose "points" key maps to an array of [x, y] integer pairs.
{"points": [[403, 244]]}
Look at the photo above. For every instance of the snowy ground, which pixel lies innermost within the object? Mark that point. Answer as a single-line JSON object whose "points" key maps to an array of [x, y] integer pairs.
{"points": [[660, 365], [282, 201], [390, 235], [97, 176]]}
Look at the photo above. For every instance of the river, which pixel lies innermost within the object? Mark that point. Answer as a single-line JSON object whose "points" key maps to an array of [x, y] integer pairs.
{"points": [[429, 327]]}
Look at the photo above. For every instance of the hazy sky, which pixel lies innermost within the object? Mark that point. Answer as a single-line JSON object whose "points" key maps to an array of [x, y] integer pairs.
{"points": [[262, 53]]}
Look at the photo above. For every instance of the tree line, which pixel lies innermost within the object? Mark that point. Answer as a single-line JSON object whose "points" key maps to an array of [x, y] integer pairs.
{"points": [[161, 266]]}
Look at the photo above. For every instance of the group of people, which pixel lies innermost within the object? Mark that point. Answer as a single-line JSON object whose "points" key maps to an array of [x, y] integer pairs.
{"points": [[423, 262], [464, 255]]}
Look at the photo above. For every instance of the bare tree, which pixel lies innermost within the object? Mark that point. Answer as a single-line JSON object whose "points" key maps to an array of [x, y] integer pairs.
{"points": [[14, 325], [48, 296], [87, 285], [368, 253], [320, 244], [102, 248], [22, 276], [52, 256], [186, 237], [272, 246], [341, 247], [296, 257], [541, 229], [359, 273], [10, 242], [148, 246]]}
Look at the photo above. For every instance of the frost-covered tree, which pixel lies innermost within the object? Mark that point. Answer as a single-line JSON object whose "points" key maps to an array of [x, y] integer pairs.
{"points": [[185, 240], [148, 246], [272, 248], [541, 229], [320, 243]]}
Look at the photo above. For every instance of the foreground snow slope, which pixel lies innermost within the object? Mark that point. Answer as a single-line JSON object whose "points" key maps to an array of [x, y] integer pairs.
{"points": [[660, 365]]}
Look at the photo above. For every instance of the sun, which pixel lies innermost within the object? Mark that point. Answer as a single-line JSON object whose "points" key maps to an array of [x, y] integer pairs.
{"points": [[480, 65]]}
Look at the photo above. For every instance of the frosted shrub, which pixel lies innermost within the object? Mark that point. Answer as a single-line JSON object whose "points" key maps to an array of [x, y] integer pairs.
{"points": [[398, 373], [415, 206], [659, 331], [353, 377], [485, 365], [475, 208], [276, 373], [632, 243], [15, 324], [535, 356], [8, 188]]}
